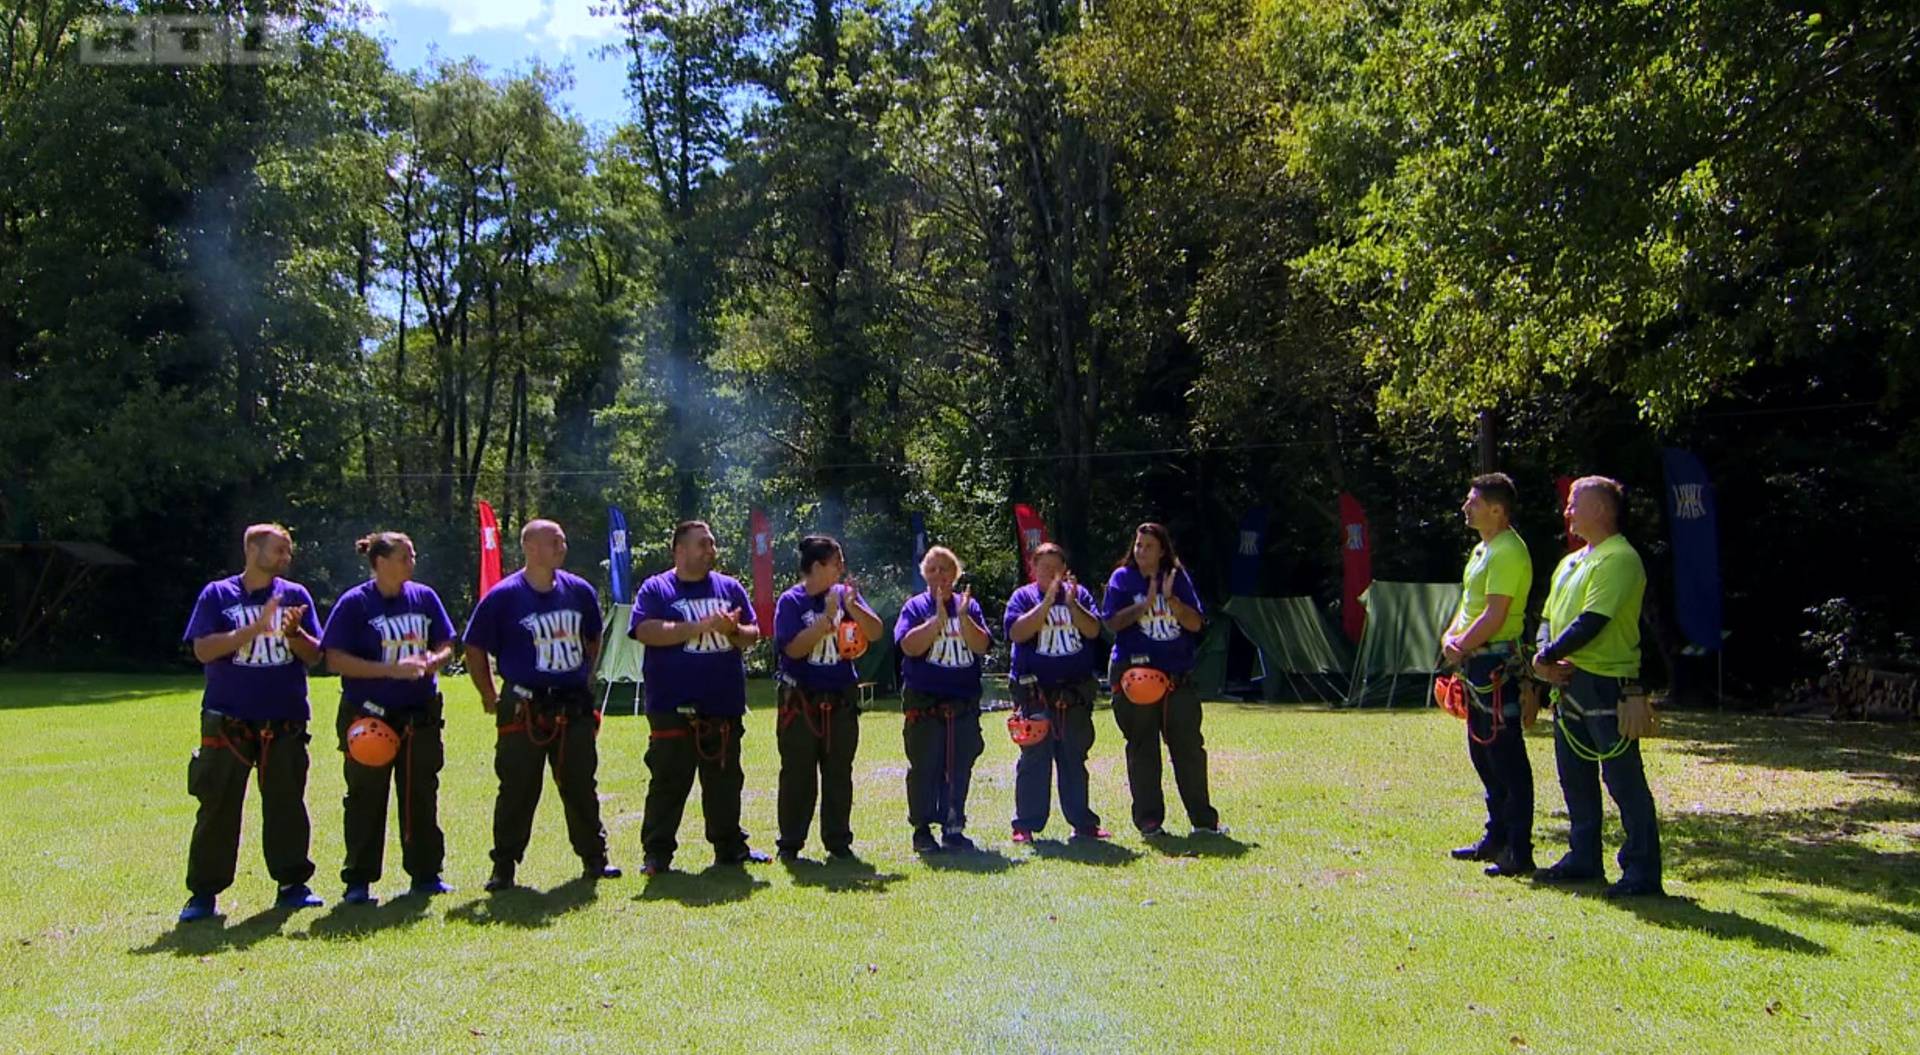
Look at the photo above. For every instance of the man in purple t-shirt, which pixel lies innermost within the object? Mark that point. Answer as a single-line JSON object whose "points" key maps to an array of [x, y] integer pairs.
{"points": [[818, 728], [255, 634], [543, 626], [942, 636], [696, 624], [387, 638], [1156, 619], [1055, 631]]}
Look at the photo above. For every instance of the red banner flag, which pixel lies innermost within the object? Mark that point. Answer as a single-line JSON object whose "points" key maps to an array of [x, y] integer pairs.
{"points": [[1356, 559], [1033, 532], [762, 533], [1563, 485], [489, 549]]}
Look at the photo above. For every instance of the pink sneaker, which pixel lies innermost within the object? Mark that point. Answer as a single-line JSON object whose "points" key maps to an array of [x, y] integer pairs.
{"points": [[1021, 835], [1092, 833]]}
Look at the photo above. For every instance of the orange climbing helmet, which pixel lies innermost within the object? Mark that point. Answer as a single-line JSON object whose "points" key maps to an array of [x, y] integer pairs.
{"points": [[372, 742], [852, 641], [1028, 731], [1145, 685]]}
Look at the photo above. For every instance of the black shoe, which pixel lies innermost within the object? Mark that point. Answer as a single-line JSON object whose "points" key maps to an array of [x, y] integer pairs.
{"points": [[651, 867], [1563, 872], [788, 853], [924, 842], [1635, 888], [1152, 830], [744, 856], [1484, 850], [1511, 864], [429, 887], [501, 879], [957, 841], [598, 870], [842, 853]]}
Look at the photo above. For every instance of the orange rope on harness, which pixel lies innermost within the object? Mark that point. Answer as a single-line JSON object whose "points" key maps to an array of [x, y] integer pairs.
{"points": [[822, 732], [235, 729], [1499, 708]]}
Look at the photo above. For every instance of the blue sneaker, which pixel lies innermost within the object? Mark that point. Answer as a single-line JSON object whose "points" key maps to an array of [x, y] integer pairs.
{"points": [[429, 887], [358, 894], [198, 907], [296, 895]]}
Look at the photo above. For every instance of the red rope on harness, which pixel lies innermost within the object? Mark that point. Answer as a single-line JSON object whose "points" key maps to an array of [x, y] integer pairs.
{"points": [[1499, 708], [822, 732], [700, 727]]}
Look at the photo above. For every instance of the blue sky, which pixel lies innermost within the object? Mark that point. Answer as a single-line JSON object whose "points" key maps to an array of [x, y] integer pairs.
{"points": [[510, 34]]}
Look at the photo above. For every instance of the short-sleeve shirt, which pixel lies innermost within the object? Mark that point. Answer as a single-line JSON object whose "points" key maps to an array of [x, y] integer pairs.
{"points": [[1607, 579], [372, 626], [706, 673], [949, 668], [264, 680], [823, 669], [1058, 653], [538, 638], [1501, 567], [1157, 639]]}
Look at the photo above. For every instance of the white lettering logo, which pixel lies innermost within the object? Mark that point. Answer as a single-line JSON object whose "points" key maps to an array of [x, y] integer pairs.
{"points": [[1159, 623], [827, 652], [489, 538], [557, 646], [619, 541], [1058, 637], [692, 610], [950, 649], [1356, 537], [1689, 501], [268, 650], [401, 636]]}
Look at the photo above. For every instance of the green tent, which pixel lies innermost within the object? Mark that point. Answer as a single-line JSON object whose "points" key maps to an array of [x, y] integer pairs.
{"points": [[877, 666], [1301, 655], [1400, 650], [619, 657]]}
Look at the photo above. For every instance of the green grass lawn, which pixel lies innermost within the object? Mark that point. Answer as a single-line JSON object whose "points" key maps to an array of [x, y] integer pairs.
{"points": [[1332, 921]]}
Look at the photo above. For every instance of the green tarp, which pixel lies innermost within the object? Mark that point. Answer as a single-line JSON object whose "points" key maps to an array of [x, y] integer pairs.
{"points": [[619, 657], [876, 666], [1301, 654], [1400, 649]]}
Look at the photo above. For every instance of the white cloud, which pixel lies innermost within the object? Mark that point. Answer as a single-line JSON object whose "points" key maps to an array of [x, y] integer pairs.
{"points": [[573, 21], [465, 17]]}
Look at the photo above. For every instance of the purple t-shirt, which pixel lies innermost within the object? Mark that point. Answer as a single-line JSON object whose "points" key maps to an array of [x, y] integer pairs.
{"points": [[380, 629], [823, 668], [537, 639], [949, 668], [1157, 639], [1058, 653], [706, 673], [264, 681]]}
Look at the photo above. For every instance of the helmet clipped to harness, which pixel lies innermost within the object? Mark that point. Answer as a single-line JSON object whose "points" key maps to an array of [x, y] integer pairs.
{"points": [[1028, 731], [372, 742], [1145, 686], [851, 640]]}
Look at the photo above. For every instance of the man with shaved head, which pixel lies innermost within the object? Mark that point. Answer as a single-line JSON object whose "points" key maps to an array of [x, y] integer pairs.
{"points": [[543, 626]]}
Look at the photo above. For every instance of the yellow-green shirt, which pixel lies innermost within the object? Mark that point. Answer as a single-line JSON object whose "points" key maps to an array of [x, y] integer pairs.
{"points": [[1609, 580], [1501, 567]]}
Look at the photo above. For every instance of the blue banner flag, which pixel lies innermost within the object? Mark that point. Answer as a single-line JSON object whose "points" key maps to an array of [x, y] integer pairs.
{"points": [[1692, 519], [919, 522], [1244, 578], [619, 556]]}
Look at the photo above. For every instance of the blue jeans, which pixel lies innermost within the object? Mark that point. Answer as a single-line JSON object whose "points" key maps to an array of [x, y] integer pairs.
{"points": [[1499, 756], [1588, 709], [1069, 708]]}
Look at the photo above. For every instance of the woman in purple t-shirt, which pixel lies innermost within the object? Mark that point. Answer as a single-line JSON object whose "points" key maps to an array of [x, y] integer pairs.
{"points": [[1156, 618], [942, 636]]}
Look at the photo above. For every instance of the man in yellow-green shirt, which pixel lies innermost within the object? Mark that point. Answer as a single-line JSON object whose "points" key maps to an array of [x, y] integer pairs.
{"points": [[1483, 644], [1590, 650]]}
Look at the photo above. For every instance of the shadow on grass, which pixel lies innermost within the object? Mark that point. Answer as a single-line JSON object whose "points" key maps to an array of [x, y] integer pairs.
{"points": [[345, 921], [1167, 845], [1851, 915], [980, 861], [209, 936], [525, 907], [840, 875], [1816, 846], [1871, 750], [1686, 914], [1101, 852], [715, 885], [19, 692]]}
